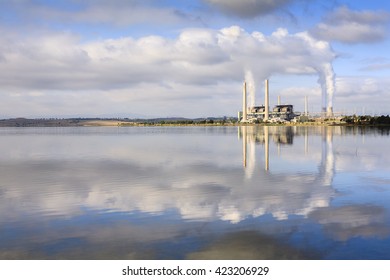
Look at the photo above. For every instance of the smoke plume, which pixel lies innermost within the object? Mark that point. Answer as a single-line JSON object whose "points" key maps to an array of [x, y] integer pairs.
{"points": [[326, 79], [250, 82]]}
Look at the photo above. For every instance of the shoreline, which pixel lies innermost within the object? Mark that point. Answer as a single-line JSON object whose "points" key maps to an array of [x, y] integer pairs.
{"points": [[366, 121], [146, 123]]}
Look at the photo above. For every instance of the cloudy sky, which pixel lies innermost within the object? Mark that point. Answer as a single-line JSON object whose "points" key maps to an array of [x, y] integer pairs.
{"points": [[165, 58]]}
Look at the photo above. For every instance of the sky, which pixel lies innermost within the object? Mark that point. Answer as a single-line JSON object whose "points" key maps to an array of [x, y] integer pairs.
{"points": [[171, 58]]}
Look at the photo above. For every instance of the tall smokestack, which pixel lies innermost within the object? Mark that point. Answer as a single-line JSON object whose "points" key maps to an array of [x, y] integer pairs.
{"points": [[244, 106], [329, 111], [306, 106], [266, 101], [278, 99]]}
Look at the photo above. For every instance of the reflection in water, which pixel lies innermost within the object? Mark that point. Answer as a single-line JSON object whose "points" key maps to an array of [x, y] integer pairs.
{"points": [[189, 192], [327, 166], [284, 136], [345, 222], [249, 245], [260, 135], [314, 188], [266, 147]]}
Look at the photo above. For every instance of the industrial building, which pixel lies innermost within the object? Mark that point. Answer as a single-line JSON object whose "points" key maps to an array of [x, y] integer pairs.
{"points": [[279, 113], [283, 112]]}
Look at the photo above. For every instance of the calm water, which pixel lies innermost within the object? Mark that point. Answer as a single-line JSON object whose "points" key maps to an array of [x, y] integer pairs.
{"points": [[194, 193]]}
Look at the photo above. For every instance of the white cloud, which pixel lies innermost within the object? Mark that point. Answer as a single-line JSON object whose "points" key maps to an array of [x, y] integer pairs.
{"points": [[369, 94], [200, 53], [351, 27], [197, 60]]}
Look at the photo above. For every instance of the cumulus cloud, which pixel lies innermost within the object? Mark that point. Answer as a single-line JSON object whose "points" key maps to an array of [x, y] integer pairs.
{"points": [[248, 8], [351, 27], [366, 91], [196, 57]]}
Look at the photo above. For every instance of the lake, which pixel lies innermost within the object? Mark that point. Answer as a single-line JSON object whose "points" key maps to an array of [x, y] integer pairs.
{"points": [[195, 193]]}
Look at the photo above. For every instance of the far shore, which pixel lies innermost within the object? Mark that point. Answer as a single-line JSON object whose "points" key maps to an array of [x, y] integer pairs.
{"points": [[225, 121]]}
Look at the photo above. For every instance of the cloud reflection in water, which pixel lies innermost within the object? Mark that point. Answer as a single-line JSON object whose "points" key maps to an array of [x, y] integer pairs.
{"points": [[196, 181]]}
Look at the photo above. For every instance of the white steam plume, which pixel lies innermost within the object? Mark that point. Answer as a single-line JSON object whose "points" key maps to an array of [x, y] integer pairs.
{"points": [[251, 88], [327, 81], [280, 53], [330, 87], [322, 82]]}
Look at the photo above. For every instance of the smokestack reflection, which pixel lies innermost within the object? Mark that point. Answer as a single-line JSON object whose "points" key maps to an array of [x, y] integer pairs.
{"points": [[306, 141], [327, 167], [252, 135], [248, 149], [244, 143], [266, 148], [266, 101]]}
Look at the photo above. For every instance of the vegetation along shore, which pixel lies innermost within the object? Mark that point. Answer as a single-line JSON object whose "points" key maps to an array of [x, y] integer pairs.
{"points": [[228, 121]]}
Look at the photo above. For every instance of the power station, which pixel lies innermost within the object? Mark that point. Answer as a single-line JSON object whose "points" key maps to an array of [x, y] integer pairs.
{"points": [[261, 113]]}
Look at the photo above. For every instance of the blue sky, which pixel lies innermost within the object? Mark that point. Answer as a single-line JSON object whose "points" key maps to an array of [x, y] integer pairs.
{"points": [[189, 58]]}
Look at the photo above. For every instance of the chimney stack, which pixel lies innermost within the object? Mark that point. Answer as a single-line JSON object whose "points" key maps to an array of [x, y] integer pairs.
{"points": [[329, 111], [244, 106], [306, 106]]}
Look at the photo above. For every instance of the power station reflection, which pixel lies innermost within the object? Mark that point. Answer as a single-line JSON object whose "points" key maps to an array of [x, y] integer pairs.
{"points": [[253, 135], [281, 136]]}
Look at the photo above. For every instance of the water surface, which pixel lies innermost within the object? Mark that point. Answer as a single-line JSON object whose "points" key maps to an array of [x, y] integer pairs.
{"points": [[194, 193]]}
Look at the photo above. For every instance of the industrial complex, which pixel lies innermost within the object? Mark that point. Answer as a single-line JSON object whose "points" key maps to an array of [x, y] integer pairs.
{"points": [[279, 113]]}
